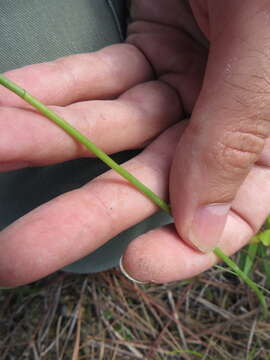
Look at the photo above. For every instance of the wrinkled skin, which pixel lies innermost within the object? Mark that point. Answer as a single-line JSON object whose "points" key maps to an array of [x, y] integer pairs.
{"points": [[207, 60]]}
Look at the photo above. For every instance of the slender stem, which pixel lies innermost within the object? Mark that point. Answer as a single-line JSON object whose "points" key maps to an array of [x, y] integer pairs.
{"points": [[83, 140], [218, 252], [120, 170]]}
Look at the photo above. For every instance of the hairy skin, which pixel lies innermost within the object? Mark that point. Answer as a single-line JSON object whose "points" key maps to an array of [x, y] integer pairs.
{"points": [[198, 59]]}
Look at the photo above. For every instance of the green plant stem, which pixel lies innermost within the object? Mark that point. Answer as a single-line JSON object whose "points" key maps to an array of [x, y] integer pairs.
{"points": [[218, 252], [83, 140], [40, 107]]}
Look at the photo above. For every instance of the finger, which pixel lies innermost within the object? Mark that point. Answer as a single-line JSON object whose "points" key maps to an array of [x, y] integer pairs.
{"points": [[103, 74], [162, 256], [177, 58], [160, 12], [73, 225], [137, 116], [228, 128]]}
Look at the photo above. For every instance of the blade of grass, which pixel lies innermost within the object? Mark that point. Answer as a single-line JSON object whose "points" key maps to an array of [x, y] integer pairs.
{"points": [[189, 352], [230, 271], [265, 261], [244, 277], [267, 223], [252, 251], [264, 237], [40, 107]]}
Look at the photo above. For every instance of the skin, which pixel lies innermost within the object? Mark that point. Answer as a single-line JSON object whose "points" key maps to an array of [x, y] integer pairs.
{"points": [[203, 59]]}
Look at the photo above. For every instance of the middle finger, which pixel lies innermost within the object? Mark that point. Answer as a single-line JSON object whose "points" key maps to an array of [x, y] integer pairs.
{"points": [[138, 115]]}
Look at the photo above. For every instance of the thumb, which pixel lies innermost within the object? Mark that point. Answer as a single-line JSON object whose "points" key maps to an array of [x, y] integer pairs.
{"points": [[229, 124]]}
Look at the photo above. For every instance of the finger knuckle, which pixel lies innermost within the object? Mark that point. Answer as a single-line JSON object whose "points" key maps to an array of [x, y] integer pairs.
{"points": [[237, 151]]}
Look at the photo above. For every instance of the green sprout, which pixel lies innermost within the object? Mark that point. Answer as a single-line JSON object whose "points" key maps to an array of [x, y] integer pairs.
{"points": [[44, 110]]}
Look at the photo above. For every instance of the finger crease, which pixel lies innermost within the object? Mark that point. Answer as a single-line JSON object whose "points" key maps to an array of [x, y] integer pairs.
{"points": [[245, 219]]}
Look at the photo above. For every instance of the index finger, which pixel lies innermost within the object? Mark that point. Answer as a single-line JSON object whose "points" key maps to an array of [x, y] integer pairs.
{"points": [[102, 74], [76, 223]]}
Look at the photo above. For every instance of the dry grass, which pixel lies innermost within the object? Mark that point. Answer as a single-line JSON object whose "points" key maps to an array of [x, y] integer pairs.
{"points": [[104, 316]]}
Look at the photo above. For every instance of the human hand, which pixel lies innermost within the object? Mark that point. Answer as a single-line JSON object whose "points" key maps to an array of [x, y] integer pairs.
{"points": [[136, 110], [77, 223], [220, 171]]}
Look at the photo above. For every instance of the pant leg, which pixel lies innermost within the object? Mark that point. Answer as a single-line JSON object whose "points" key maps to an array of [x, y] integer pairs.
{"points": [[35, 31]]}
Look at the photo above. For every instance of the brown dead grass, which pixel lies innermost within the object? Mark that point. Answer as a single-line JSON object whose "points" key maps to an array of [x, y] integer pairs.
{"points": [[104, 316]]}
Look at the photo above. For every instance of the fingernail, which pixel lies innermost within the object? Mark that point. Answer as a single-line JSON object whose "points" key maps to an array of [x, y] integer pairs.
{"points": [[124, 272], [208, 225]]}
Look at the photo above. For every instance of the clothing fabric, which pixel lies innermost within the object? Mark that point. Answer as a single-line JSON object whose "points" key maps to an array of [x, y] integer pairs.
{"points": [[35, 31]]}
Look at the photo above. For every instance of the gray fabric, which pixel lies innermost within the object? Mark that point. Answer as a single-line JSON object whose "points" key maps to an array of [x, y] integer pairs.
{"points": [[36, 31]]}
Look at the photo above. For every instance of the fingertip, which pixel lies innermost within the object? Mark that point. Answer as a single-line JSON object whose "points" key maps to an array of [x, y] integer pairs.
{"points": [[127, 275], [160, 256]]}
